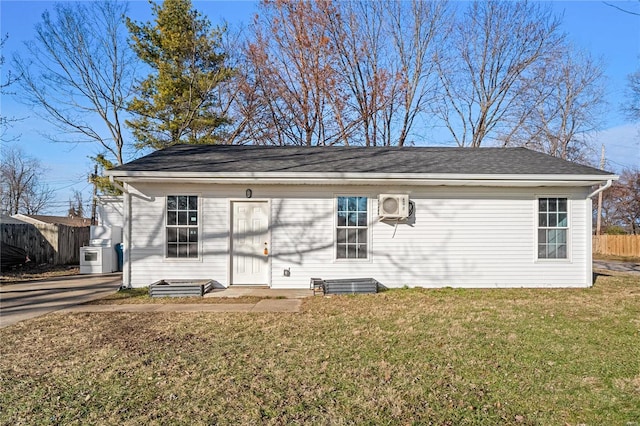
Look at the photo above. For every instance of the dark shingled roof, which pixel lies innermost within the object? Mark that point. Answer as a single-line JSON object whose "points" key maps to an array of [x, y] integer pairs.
{"points": [[264, 159]]}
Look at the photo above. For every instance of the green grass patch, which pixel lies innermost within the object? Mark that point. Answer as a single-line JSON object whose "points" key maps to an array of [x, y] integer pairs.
{"points": [[407, 356]]}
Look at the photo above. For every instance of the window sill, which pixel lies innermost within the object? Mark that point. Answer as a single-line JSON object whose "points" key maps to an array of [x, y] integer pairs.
{"points": [[567, 260], [182, 259], [368, 260]]}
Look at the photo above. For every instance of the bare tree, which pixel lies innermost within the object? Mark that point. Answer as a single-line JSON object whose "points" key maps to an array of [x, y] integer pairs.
{"points": [[10, 79], [22, 189], [358, 36], [559, 115], [76, 205], [292, 69], [342, 72], [235, 96], [484, 68], [79, 73], [632, 106], [621, 202], [416, 29], [384, 58]]}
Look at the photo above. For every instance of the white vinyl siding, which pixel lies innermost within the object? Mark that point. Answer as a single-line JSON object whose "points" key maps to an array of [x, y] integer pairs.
{"points": [[458, 236], [148, 237]]}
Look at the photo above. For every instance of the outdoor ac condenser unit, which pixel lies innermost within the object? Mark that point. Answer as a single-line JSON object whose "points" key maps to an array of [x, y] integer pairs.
{"points": [[393, 206]]}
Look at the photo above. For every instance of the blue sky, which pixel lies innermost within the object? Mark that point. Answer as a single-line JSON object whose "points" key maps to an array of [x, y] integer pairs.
{"points": [[592, 25]]}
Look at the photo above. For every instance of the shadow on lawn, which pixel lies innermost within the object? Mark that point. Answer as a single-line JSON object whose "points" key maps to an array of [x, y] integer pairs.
{"points": [[597, 275]]}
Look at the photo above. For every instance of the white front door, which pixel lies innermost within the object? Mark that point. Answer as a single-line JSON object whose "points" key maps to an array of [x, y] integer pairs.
{"points": [[249, 240]]}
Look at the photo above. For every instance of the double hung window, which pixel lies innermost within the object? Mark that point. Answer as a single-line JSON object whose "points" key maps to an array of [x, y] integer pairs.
{"points": [[352, 228], [553, 225], [182, 226]]}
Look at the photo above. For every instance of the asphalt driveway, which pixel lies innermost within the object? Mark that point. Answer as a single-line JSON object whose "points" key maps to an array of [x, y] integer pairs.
{"points": [[30, 299], [618, 266]]}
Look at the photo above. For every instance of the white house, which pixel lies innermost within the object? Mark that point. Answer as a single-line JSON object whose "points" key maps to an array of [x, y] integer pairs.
{"points": [[429, 217]]}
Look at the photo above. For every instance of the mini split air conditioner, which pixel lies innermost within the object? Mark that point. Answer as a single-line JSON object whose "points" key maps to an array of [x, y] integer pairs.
{"points": [[393, 206]]}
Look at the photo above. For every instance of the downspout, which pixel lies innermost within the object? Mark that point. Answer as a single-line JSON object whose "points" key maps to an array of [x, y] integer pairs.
{"points": [[589, 231], [602, 188], [126, 273]]}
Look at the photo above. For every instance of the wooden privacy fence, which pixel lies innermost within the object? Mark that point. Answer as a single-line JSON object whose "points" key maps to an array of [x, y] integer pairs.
{"points": [[617, 245], [47, 243]]}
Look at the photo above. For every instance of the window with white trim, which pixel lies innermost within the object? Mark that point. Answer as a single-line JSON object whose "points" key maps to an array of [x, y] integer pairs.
{"points": [[352, 228], [553, 225], [182, 226]]}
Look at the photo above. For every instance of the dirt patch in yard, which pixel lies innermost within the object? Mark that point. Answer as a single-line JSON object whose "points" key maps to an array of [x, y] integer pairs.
{"points": [[30, 272]]}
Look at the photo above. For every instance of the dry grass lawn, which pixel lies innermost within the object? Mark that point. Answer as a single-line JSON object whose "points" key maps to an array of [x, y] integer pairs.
{"points": [[479, 357]]}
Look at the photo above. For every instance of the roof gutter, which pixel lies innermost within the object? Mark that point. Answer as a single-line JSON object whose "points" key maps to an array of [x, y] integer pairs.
{"points": [[362, 181], [126, 191], [600, 189], [117, 185], [344, 176]]}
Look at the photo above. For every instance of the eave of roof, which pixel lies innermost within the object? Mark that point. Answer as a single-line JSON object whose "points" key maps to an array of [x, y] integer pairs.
{"points": [[364, 179]]}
